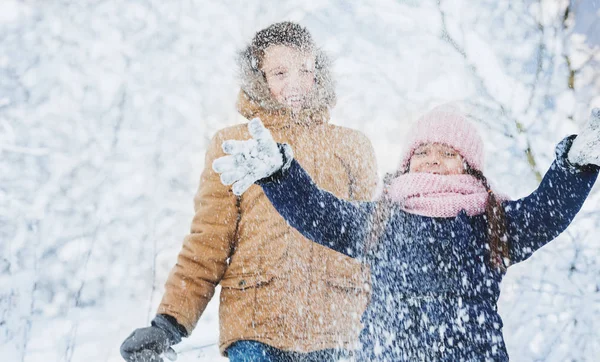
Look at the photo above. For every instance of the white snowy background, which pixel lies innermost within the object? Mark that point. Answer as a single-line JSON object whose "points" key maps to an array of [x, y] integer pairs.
{"points": [[106, 108]]}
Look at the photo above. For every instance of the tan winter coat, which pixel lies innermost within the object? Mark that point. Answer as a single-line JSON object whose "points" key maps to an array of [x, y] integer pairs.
{"points": [[278, 287]]}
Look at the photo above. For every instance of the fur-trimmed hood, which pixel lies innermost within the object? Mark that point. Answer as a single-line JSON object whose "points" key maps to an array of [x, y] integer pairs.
{"points": [[255, 99]]}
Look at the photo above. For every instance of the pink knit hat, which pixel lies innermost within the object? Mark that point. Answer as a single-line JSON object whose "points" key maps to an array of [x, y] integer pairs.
{"points": [[448, 125]]}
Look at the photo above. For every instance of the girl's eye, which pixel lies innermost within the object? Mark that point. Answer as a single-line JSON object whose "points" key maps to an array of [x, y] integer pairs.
{"points": [[419, 153], [279, 73], [450, 154]]}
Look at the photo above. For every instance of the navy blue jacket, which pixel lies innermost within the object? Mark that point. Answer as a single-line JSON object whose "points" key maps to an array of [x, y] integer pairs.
{"points": [[434, 293]]}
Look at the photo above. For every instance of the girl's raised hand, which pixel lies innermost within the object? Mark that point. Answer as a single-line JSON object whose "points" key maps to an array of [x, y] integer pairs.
{"points": [[251, 160], [585, 149]]}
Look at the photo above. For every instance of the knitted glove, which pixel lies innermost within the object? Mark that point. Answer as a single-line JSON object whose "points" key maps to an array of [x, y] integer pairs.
{"points": [[147, 344], [252, 160], [585, 149]]}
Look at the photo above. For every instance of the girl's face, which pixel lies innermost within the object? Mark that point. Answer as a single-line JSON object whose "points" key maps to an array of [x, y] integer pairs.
{"points": [[290, 74], [436, 158]]}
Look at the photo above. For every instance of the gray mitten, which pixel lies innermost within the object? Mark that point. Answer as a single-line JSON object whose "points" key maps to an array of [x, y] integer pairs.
{"points": [[151, 343], [251, 160], [585, 149]]}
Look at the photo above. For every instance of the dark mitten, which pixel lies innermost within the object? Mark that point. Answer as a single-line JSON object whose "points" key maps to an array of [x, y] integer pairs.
{"points": [[147, 344]]}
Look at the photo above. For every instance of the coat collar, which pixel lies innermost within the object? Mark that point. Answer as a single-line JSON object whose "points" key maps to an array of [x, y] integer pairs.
{"points": [[280, 118]]}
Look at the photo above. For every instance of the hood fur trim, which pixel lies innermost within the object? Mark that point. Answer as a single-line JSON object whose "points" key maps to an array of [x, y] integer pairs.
{"points": [[254, 85]]}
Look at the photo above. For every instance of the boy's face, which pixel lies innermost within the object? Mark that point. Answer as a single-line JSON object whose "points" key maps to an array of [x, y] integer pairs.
{"points": [[436, 158], [290, 74]]}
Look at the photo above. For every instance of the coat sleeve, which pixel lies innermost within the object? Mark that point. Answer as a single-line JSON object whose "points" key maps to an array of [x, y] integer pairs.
{"points": [[317, 214], [202, 260], [540, 217]]}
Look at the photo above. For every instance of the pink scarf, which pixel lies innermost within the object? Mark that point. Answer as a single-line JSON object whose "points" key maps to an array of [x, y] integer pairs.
{"points": [[434, 195]]}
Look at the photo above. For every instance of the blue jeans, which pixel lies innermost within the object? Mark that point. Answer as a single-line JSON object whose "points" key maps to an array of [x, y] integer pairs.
{"points": [[252, 351]]}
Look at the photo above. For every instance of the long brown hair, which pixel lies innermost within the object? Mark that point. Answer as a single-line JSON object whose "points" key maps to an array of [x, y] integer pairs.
{"points": [[494, 215], [496, 224]]}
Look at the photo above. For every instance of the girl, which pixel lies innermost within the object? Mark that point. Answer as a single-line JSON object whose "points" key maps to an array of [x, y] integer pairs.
{"points": [[438, 241], [243, 244]]}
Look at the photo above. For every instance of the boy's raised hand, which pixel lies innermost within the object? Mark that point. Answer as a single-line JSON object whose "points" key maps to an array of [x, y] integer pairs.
{"points": [[585, 149], [250, 160]]}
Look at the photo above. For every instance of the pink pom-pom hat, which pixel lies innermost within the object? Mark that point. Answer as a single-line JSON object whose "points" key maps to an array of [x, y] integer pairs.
{"points": [[448, 125]]}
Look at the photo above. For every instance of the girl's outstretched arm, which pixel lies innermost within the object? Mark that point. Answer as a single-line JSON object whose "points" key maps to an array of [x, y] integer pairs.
{"points": [[540, 217], [317, 214]]}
